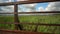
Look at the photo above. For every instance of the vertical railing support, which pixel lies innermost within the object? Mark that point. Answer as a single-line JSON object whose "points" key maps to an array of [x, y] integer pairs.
{"points": [[16, 16], [16, 20]]}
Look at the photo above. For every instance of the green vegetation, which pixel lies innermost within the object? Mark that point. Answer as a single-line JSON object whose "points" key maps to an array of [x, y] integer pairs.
{"points": [[47, 19]]}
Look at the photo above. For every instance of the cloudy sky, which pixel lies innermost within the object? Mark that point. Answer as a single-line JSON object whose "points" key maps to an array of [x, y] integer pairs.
{"points": [[51, 6]]}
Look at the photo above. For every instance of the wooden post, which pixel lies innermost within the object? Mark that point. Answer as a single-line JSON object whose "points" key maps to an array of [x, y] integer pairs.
{"points": [[16, 16], [16, 20]]}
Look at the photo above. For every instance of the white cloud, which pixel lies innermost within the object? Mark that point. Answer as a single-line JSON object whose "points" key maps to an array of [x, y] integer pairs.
{"points": [[40, 9], [29, 5], [28, 10], [6, 8], [53, 6], [22, 0]]}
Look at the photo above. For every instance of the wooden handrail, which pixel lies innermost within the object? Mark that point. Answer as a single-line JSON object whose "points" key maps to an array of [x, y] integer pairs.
{"points": [[32, 24], [21, 32], [33, 12], [38, 12], [26, 2]]}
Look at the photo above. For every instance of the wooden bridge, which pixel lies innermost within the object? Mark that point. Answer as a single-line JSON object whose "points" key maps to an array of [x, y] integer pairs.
{"points": [[16, 20]]}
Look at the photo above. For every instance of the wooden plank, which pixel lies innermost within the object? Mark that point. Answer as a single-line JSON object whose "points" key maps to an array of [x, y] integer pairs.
{"points": [[39, 12], [2, 31], [33, 12], [26, 2], [31, 24]]}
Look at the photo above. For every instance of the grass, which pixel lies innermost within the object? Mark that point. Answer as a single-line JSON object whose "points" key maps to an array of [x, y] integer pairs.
{"points": [[47, 19]]}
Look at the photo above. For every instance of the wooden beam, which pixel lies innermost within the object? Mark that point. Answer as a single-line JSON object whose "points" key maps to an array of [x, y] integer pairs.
{"points": [[31, 24], [33, 12], [27, 2], [38, 12], [3, 31]]}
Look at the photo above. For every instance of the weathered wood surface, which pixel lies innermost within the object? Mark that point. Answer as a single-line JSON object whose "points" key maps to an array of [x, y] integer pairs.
{"points": [[27, 2], [31, 24], [16, 19], [32, 12], [20, 32], [39, 12]]}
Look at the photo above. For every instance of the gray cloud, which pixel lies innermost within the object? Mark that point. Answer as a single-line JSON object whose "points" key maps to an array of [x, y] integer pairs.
{"points": [[6, 8]]}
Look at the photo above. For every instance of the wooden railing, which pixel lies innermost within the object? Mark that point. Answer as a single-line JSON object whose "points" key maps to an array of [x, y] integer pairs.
{"points": [[35, 12], [16, 21], [21, 32], [27, 2], [31, 23]]}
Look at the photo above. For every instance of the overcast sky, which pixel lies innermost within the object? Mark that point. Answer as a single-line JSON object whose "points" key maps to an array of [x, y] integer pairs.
{"points": [[51, 6]]}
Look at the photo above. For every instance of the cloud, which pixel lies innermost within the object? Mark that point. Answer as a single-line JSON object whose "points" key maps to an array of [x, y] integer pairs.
{"points": [[22, 0], [40, 9], [29, 5], [10, 8], [53, 6], [6, 8]]}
